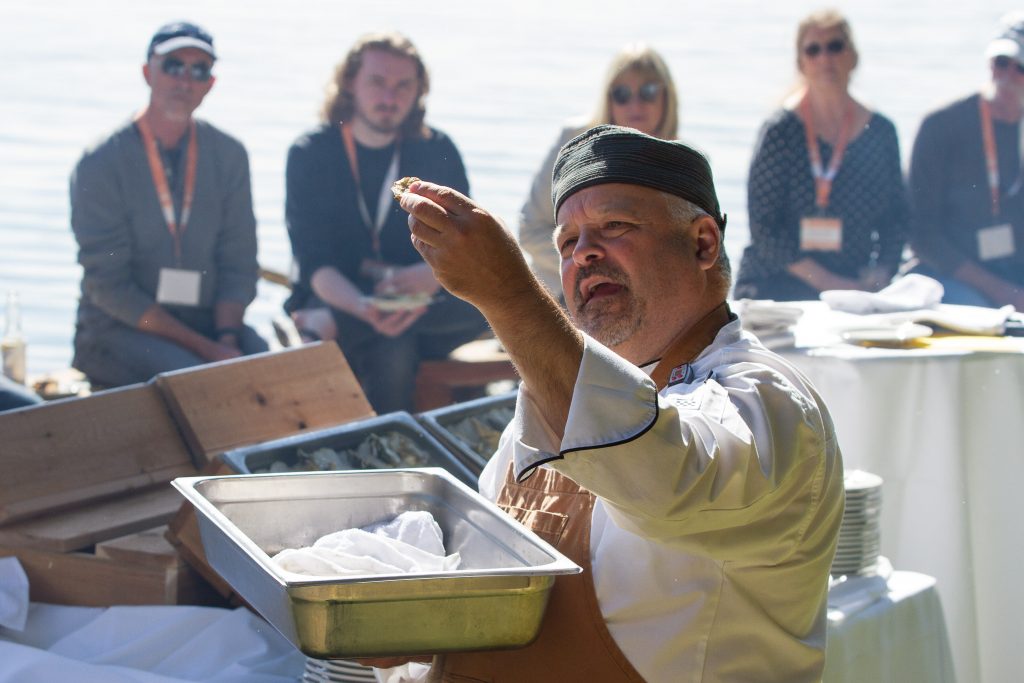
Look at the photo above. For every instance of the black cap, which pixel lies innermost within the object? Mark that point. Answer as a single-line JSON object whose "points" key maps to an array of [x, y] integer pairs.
{"points": [[614, 154], [178, 35]]}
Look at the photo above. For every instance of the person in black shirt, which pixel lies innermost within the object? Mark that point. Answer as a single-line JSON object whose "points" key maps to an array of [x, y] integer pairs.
{"points": [[825, 193], [968, 225], [350, 239]]}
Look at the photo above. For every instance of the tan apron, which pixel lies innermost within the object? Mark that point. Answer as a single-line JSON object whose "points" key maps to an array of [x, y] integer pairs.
{"points": [[574, 643]]}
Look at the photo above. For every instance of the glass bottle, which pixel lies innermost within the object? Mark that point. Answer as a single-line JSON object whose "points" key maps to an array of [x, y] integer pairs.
{"points": [[13, 342]]}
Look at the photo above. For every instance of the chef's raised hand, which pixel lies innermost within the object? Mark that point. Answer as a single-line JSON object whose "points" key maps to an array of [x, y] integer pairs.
{"points": [[470, 251], [477, 259]]}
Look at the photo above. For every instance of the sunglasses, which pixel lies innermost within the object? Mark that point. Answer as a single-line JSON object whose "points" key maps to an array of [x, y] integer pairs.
{"points": [[833, 47], [1002, 62], [648, 92], [175, 68]]}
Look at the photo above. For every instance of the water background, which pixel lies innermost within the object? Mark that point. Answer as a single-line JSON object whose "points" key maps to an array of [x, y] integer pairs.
{"points": [[505, 78]]}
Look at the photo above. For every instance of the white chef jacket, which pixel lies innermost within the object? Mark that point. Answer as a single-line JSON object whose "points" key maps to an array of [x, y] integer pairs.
{"points": [[719, 504]]}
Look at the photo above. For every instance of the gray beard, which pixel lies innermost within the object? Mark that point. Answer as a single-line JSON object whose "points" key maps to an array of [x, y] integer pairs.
{"points": [[611, 328]]}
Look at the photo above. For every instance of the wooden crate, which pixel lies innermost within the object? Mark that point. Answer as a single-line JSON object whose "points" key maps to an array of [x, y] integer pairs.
{"points": [[308, 399], [138, 569], [258, 398], [86, 481], [80, 471], [60, 455]]}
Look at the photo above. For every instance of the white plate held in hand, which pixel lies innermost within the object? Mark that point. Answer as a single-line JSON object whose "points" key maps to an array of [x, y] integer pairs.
{"points": [[399, 303]]}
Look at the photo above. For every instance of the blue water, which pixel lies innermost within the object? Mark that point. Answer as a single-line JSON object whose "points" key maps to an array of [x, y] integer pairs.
{"points": [[505, 76]]}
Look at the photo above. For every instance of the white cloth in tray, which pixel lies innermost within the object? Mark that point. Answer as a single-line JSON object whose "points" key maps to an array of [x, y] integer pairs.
{"points": [[410, 543]]}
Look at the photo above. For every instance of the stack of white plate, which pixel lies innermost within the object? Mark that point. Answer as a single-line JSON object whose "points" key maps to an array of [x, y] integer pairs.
{"points": [[771, 321], [859, 535], [336, 671]]}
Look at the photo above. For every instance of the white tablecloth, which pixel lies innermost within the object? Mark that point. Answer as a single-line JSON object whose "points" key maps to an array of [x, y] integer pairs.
{"points": [[146, 645], [945, 432], [878, 630], [898, 638]]}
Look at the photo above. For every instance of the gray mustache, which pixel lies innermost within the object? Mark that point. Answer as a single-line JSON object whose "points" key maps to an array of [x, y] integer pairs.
{"points": [[604, 270]]}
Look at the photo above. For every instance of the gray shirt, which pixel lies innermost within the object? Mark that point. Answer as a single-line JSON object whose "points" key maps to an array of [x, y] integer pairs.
{"points": [[124, 240]]}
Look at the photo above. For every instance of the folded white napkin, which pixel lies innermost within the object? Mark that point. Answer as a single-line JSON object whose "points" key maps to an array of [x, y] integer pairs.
{"points": [[910, 292], [13, 594], [848, 595], [957, 318], [410, 543]]}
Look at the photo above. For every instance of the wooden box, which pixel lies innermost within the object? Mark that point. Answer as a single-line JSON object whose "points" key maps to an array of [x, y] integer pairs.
{"points": [[85, 494], [258, 398]]}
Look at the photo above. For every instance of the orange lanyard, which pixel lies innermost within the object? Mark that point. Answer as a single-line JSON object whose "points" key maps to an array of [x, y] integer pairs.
{"points": [[384, 203], [175, 225], [823, 177], [988, 139]]}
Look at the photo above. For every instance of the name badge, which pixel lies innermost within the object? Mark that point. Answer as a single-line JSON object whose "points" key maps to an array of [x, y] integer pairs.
{"points": [[995, 242], [683, 373], [179, 287], [818, 233]]}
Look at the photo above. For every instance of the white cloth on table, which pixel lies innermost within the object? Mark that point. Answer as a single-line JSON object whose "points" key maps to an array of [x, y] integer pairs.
{"points": [[719, 502], [847, 595], [887, 630], [411, 542], [152, 644], [957, 318], [913, 299], [821, 329], [909, 293], [13, 594], [941, 428]]}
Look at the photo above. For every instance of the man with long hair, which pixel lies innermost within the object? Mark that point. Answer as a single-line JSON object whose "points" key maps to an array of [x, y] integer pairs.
{"points": [[356, 267]]}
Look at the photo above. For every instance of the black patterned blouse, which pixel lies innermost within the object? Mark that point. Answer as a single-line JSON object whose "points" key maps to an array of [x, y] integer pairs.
{"points": [[867, 194]]}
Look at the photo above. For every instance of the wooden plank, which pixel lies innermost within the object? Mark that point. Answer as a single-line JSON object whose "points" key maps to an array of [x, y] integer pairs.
{"points": [[87, 580], [256, 398], [149, 547], [82, 527], [64, 453]]}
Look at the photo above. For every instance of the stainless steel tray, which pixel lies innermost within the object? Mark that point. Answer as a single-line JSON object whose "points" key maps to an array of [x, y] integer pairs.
{"points": [[441, 423], [257, 458], [495, 600]]}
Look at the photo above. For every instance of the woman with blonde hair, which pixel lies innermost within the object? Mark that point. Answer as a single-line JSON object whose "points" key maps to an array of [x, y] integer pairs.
{"points": [[638, 92], [825, 195]]}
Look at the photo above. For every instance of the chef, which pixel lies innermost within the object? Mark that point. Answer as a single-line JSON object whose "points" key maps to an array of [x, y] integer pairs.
{"points": [[691, 472]]}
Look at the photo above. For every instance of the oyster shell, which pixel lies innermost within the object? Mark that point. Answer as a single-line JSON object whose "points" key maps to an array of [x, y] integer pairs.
{"points": [[482, 431], [401, 186], [377, 451]]}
